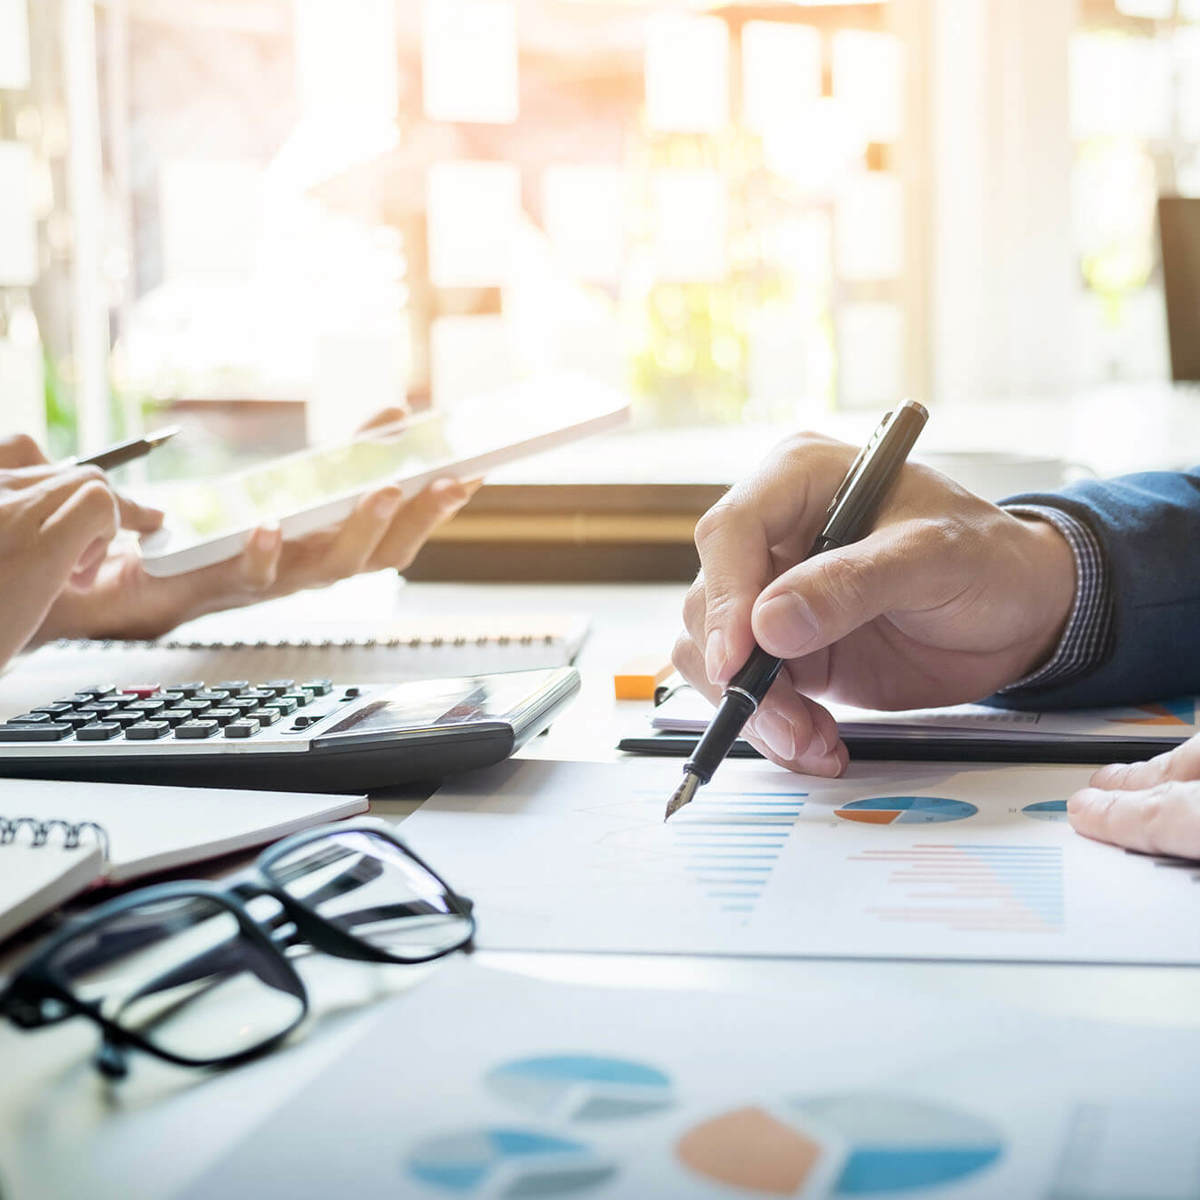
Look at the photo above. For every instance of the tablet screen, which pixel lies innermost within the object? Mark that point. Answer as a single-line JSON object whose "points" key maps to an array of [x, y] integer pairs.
{"points": [[479, 433]]}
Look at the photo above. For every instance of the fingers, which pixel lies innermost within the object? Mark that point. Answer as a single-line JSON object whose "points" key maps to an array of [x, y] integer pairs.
{"points": [[417, 520], [1164, 819], [1181, 763], [361, 533], [822, 600], [736, 565], [782, 504], [20, 450], [138, 517], [395, 414], [73, 515], [788, 728]]}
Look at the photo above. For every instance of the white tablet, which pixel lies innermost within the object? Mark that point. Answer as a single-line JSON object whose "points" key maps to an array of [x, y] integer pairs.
{"points": [[208, 521]]}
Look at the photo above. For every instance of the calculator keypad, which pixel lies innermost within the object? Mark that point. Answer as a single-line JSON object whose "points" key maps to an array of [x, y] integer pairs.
{"points": [[191, 711]]}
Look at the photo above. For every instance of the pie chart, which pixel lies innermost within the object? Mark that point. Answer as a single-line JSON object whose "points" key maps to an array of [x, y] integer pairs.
{"points": [[513, 1163], [885, 1144], [1047, 810], [580, 1087], [898, 1143], [905, 810]]}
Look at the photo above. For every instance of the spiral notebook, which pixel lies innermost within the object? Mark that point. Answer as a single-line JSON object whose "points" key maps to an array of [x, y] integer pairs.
{"points": [[57, 840], [427, 648]]}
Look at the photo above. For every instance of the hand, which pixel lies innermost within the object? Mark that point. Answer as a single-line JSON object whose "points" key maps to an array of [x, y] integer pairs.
{"points": [[1150, 806], [56, 523], [383, 531], [947, 600]]}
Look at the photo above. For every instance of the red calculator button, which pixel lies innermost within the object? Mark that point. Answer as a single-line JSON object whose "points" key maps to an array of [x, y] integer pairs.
{"points": [[143, 691]]}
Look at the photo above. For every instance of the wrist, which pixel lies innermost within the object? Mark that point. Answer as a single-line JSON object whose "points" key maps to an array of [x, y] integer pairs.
{"points": [[1053, 576]]}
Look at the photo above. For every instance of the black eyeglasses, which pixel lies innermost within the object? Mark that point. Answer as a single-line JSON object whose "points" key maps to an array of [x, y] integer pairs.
{"points": [[202, 975]]}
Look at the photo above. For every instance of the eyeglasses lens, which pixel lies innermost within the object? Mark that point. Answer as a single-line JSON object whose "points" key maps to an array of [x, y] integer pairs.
{"points": [[182, 974], [367, 886]]}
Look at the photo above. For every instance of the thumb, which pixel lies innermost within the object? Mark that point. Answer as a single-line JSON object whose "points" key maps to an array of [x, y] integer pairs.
{"points": [[825, 598]]}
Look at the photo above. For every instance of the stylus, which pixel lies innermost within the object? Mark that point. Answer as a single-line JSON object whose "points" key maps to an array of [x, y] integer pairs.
{"points": [[849, 518], [123, 452]]}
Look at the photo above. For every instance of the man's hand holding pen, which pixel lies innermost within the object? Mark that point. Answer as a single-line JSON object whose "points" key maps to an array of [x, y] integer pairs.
{"points": [[948, 599]]}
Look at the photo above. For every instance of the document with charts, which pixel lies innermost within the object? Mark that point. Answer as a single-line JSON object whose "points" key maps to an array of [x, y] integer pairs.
{"points": [[909, 860], [530, 1090]]}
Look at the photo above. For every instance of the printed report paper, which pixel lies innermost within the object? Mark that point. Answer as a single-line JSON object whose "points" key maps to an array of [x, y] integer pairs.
{"points": [[916, 860]]}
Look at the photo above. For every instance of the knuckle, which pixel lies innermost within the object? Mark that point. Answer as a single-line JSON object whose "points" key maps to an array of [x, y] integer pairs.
{"points": [[90, 473], [684, 656], [842, 582], [714, 521], [22, 447]]}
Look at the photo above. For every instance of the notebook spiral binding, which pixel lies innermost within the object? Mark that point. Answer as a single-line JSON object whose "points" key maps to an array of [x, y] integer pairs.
{"points": [[40, 832]]}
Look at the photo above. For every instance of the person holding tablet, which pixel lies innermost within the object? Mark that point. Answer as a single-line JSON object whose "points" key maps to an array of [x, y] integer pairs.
{"points": [[62, 574], [1085, 597]]}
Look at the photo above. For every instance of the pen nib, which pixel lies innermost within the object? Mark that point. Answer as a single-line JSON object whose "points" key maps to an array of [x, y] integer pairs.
{"points": [[683, 795]]}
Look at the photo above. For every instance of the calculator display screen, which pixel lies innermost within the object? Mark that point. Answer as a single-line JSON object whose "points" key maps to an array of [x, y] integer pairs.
{"points": [[441, 703]]}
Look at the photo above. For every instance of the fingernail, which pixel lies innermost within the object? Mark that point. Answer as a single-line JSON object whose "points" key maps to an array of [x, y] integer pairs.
{"points": [[386, 504], [777, 733], [785, 625], [715, 657], [451, 494]]}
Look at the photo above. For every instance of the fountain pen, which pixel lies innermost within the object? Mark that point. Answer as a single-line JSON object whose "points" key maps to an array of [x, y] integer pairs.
{"points": [[849, 519]]}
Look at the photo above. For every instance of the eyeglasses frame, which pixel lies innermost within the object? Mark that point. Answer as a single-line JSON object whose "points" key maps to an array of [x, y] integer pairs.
{"points": [[35, 983]]}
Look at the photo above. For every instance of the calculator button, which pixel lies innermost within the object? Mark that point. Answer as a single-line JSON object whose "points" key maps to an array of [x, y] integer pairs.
{"points": [[196, 730], [318, 687], [301, 698], [283, 705], [352, 693], [95, 692], [174, 716], [125, 718], [222, 716], [195, 707], [232, 685], [242, 706], [241, 729], [31, 718], [147, 731], [187, 690], [52, 710], [258, 694], [213, 696], [277, 687], [304, 722], [146, 706], [53, 732], [99, 707], [142, 691], [76, 719], [97, 731], [264, 716]]}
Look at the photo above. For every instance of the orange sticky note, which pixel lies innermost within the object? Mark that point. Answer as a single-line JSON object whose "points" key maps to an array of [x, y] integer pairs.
{"points": [[638, 678]]}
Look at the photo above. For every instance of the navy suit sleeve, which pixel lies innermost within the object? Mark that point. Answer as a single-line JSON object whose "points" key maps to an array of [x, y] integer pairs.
{"points": [[1148, 526]]}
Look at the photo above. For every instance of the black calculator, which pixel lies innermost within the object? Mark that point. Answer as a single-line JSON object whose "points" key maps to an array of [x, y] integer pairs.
{"points": [[307, 735]]}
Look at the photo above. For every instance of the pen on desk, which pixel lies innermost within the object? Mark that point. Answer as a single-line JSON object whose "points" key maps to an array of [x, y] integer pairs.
{"points": [[849, 519], [123, 452]]}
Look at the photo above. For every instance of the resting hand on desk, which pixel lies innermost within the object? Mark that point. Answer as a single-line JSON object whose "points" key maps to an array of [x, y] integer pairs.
{"points": [[949, 599], [121, 600], [1149, 806]]}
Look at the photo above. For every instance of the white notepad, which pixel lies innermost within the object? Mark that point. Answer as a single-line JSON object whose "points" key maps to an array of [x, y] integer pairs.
{"points": [[148, 829]]}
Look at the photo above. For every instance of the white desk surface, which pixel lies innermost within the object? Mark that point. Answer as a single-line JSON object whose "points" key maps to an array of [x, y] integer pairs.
{"points": [[64, 1133]]}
